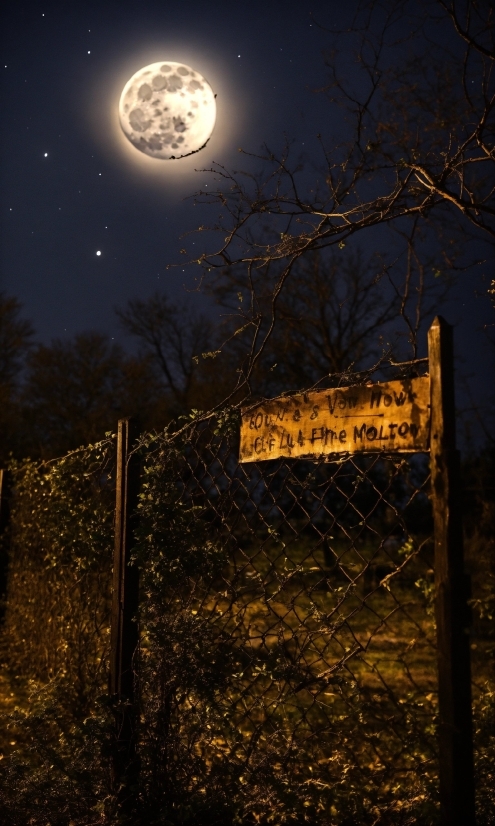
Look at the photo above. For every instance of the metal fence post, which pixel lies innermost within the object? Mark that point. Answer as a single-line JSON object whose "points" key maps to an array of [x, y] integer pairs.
{"points": [[124, 628], [452, 617]]}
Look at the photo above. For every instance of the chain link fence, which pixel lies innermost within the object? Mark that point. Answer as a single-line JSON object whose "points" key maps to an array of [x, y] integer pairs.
{"points": [[324, 603], [287, 664]]}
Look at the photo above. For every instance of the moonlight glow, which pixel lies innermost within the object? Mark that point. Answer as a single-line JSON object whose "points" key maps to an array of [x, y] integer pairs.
{"points": [[167, 110]]}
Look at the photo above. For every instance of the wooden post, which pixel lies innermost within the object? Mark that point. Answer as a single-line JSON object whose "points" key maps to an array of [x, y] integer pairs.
{"points": [[124, 628], [452, 617]]}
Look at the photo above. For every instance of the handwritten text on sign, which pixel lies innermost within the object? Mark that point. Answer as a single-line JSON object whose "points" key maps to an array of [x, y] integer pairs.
{"points": [[392, 416]]}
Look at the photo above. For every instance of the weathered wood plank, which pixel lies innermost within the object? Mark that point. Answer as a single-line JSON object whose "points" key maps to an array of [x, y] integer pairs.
{"points": [[392, 416]]}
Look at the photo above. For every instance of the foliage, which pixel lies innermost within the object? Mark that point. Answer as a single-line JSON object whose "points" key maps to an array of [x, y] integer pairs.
{"points": [[184, 664], [59, 772], [56, 622], [15, 341], [77, 389], [238, 722], [173, 337], [484, 752], [411, 172], [226, 728]]}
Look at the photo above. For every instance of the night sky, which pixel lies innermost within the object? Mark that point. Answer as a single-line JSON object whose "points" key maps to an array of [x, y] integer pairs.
{"points": [[72, 185]]}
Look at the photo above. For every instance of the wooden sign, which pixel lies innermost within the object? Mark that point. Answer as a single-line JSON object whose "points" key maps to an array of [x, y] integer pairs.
{"points": [[392, 416]]}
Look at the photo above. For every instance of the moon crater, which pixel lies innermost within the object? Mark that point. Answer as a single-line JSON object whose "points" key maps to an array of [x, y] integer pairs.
{"points": [[167, 110]]}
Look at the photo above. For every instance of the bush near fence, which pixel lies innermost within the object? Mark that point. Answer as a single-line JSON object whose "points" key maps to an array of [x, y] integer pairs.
{"points": [[61, 531], [287, 667]]}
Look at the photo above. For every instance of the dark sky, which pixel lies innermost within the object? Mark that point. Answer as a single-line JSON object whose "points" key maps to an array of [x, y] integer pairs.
{"points": [[64, 67], [72, 186]]}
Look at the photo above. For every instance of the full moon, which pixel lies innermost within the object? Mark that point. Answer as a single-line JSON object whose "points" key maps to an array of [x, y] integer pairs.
{"points": [[167, 110]]}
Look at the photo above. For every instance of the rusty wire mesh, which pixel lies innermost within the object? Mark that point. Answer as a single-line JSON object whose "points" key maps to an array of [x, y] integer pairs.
{"points": [[325, 598]]}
